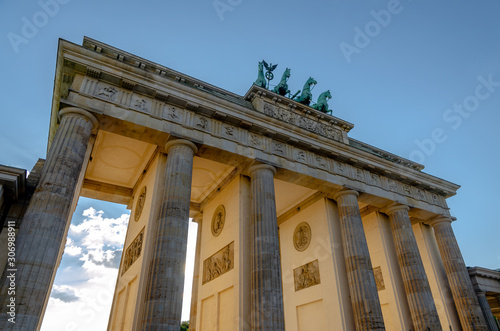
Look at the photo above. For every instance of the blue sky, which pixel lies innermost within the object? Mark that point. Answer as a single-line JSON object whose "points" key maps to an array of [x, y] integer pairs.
{"points": [[420, 79]]}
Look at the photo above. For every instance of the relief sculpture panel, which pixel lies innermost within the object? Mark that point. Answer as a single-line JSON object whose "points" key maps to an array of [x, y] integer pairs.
{"points": [[219, 263], [306, 276], [303, 122], [133, 251]]}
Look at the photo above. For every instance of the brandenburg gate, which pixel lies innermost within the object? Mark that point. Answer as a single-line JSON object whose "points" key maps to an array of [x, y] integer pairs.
{"points": [[300, 227]]}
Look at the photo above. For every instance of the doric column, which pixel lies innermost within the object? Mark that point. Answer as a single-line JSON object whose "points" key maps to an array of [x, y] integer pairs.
{"points": [[267, 297], [364, 296], [418, 291], [469, 311], [163, 301], [485, 307], [42, 232], [196, 276]]}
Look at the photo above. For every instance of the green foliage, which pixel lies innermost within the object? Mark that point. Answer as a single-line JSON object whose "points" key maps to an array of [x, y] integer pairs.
{"points": [[185, 326]]}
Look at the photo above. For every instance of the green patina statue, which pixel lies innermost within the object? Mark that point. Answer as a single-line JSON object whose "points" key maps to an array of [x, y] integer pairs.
{"points": [[322, 104], [282, 87], [306, 95], [261, 81]]}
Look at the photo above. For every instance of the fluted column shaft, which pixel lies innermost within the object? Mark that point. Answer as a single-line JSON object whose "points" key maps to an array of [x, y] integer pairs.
{"points": [[196, 277], [163, 301], [418, 291], [469, 311], [364, 296], [40, 238], [485, 307], [267, 297]]}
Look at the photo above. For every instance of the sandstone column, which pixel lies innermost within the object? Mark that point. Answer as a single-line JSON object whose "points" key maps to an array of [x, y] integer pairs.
{"points": [[267, 297], [364, 296], [418, 291], [469, 311], [196, 276], [485, 307], [44, 227], [163, 301]]}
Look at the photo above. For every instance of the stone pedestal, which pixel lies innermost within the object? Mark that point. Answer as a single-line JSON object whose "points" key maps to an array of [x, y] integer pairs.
{"points": [[267, 298], [163, 301], [418, 291], [42, 232], [364, 297], [469, 311], [485, 307]]}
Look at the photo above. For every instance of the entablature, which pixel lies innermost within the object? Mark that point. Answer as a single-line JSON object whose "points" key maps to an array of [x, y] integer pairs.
{"points": [[319, 146]]}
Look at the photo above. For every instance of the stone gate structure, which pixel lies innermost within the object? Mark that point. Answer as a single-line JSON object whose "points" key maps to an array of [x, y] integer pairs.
{"points": [[300, 227]]}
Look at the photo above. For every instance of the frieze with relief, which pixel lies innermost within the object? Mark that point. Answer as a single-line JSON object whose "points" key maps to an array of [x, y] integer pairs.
{"points": [[200, 122], [303, 122], [219, 263], [140, 103], [107, 92], [133, 251], [307, 275]]}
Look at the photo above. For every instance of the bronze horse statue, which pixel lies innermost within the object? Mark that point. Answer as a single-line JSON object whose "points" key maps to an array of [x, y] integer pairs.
{"points": [[282, 87], [261, 81], [322, 104], [306, 95]]}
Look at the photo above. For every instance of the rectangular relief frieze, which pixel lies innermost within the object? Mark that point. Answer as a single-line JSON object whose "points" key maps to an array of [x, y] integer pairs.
{"points": [[219, 263], [306, 275], [133, 252], [302, 121]]}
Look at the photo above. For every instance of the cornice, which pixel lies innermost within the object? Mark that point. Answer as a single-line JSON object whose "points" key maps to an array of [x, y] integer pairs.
{"points": [[484, 272]]}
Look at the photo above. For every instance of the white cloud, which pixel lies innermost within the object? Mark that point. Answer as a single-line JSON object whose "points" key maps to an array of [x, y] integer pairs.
{"points": [[71, 249]]}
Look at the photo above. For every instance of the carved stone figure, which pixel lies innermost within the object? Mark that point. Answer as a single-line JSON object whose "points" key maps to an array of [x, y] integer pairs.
{"points": [[218, 220], [140, 204], [141, 104], [307, 275], [306, 95], [107, 92], [202, 122], [133, 251], [219, 263], [302, 236], [261, 81], [322, 104], [282, 87]]}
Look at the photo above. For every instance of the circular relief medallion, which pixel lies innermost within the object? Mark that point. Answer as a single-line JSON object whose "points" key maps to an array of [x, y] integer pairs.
{"points": [[140, 204], [218, 220], [302, 236]]}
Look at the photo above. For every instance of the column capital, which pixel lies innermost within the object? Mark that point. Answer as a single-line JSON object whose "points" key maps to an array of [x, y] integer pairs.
{"points": [[178, 142], [394, 207], [439, 219], [256, 167], [81, 112], [343, 192], [198, 218]]}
